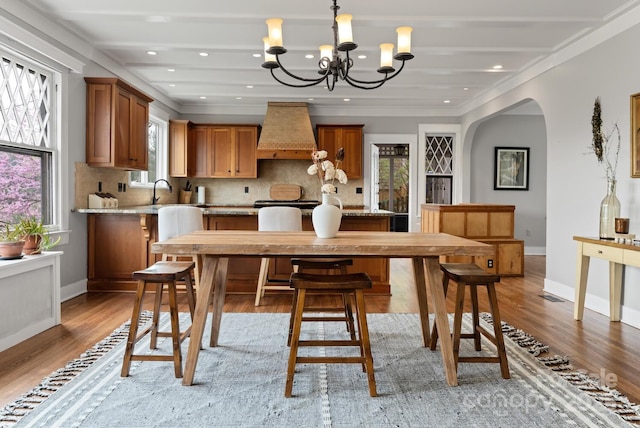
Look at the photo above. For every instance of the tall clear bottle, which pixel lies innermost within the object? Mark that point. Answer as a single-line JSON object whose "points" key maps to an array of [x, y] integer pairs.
{"points": [[609, 210]]}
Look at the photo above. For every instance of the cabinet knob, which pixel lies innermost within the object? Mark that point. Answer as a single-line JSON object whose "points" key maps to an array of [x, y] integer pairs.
{"points": [[599, 251]]}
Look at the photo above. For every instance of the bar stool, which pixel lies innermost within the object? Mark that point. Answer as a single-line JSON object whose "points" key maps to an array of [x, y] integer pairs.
{"points": [[354, 284], [160, 273], [336, 266], [471, 275]]}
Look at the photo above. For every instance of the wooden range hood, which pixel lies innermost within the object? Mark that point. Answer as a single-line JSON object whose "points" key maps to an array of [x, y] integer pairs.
{"points": [[286, 132]]}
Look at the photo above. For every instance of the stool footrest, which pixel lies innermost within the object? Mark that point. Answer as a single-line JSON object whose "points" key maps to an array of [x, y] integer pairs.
{"points": [[329, 343], [330, 360], [479, 359], [140, 357], [329, 319]]}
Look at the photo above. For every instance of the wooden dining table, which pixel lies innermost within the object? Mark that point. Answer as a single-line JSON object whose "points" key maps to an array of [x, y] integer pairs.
{"points": [[217, 246]]}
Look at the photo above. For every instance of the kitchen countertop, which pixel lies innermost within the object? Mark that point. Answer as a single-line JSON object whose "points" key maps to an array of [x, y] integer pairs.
{"points": [[227, 210]]}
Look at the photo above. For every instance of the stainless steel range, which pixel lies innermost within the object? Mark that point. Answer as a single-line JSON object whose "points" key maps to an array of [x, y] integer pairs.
{"points": [[302, 204]]}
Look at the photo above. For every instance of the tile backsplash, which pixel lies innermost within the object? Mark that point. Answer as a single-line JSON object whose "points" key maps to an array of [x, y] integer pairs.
{"points": [[218, 191]]}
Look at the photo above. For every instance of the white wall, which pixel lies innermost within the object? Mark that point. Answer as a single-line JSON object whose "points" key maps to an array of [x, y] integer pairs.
{"points": [[575, 183], [531, 209]]}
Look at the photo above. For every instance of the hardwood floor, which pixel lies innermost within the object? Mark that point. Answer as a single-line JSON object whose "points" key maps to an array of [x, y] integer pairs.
{"points": [[599, 347]]}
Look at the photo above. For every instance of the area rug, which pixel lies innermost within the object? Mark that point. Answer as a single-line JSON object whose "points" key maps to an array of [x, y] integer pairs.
{"points": [[241, 384]]}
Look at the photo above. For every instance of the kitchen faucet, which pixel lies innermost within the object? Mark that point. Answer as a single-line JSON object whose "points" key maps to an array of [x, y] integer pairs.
{"points": [[154, 199]]}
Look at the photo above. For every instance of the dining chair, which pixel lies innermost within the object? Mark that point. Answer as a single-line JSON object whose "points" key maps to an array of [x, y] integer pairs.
{"points": [[275, 219], [178, 220]]}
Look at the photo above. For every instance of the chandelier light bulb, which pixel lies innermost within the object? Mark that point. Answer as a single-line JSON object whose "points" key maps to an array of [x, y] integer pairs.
{"points": [[267, 56], [386, 55], [275, 31], [326, 51], [345, 34], [404, 39]]}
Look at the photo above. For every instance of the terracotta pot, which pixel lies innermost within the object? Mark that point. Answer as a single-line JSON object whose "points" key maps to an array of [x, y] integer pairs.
{"points": [[32, 244], [11, 249]]}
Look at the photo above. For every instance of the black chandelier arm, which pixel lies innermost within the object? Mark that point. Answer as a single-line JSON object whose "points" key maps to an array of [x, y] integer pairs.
{"points": [[379, 83], [303, 79], [374, 85], [303, 85]]}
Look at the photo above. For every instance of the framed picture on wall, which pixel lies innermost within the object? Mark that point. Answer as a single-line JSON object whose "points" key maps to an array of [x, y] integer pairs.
{"points": [[511, 168]]}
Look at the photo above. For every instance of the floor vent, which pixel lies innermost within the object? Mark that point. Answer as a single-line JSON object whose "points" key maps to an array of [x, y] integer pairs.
{"points": [[551, 298]]}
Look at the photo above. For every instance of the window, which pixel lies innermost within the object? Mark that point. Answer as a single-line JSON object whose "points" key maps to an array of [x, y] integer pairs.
{"points": [[157, 144], [26, 146]]}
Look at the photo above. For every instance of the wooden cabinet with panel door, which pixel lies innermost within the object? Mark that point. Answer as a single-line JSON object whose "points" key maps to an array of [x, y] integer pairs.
{"points": [[349, 137], [178, 150], [117, 122]]}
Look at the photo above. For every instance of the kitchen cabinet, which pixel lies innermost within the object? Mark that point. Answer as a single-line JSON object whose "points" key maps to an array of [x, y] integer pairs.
{"points": [[117, 246], [349, 137], [491, 224], [223, 151], [117, 121], [178, 153]]}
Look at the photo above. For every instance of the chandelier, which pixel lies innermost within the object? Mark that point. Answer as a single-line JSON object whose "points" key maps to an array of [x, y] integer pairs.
{"points": [[332, 66]]}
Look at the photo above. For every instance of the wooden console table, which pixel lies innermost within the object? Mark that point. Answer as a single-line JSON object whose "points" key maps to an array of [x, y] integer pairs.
{"points": [[618, 255]]}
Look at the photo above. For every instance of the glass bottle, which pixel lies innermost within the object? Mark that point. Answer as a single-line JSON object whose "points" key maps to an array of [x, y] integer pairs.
{"points": [[609, 210]]}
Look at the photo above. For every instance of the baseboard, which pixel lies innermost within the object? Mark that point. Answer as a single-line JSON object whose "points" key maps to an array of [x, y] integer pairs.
{"points": [[535, 251], [627, 315], [73, 290]]}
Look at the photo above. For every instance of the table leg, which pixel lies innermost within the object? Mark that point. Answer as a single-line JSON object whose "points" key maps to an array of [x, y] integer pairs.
{"points": [[441, 319], [218, 299], [615, 290], [582, 271], [209, 268], [421, 292]]}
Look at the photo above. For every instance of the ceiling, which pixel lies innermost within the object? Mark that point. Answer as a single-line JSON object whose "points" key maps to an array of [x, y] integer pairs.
{"points": [[456, 45]]}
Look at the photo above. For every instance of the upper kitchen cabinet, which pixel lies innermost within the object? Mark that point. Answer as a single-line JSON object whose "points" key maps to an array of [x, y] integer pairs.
{"points": [[223, 151], [178, 153], [117, 121], [349, 137]]}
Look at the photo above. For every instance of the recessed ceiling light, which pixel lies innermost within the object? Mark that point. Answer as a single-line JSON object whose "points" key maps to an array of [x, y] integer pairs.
{"points": [[346, 99], [309, 99], [249, 86], [465, 89], [204, 54], [447, 101], [497, 67], [238, 98], [362, 56], [152, 52], [203, 98], [257, 55], [309, 56], [172, 84], [171, 69]]}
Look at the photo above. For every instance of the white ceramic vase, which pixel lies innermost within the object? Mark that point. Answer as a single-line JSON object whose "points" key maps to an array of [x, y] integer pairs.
{"points": [[326, 217]]}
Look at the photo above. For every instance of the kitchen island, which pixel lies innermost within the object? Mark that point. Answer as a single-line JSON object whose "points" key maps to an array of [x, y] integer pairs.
{"points": [[120, 242]]}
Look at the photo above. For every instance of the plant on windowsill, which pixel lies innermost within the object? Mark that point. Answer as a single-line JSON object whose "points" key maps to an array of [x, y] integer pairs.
{"points": [[11, 242], [35, 235]]}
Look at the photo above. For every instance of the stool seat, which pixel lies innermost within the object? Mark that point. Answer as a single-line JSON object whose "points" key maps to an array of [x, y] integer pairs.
{"points": [[472, 276], [351, 284], [159, 274], [322, 263]]}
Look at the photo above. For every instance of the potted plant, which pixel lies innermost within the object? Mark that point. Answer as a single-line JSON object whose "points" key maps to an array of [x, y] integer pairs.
{"points": [[35, 235], [11, 242]]}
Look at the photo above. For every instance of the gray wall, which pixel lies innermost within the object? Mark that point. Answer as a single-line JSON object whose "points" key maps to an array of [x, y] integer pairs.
{"points": [[531, 208]]}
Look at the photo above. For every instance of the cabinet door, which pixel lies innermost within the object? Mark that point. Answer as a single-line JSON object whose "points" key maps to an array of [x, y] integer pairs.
{"points": [[178, 135], [245, 162], [222, 152], [139, 134], [349, 137], [123, 128], [199, 152], [99, 133]]}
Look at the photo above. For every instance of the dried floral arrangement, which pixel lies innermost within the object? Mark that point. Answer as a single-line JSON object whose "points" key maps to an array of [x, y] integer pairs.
{"points": [[326, 170], [606, 145]]}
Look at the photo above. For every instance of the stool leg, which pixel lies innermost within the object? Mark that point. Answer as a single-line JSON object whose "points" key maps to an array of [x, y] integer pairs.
{"points": [[348, 313], [294, 302], [476, 317], [457, 320], [175, 329], [364, 338], [133, 329], [293, 352], [262, 279], [156, 316], [434, 330], [497, 330], [191, 297]]}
